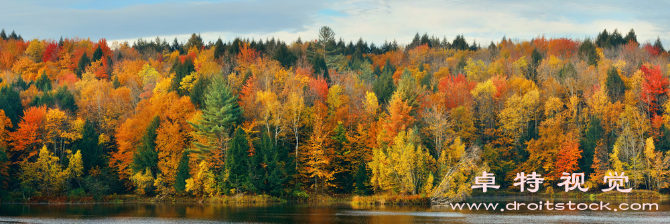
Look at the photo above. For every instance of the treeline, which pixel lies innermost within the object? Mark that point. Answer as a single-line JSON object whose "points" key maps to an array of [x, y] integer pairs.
{"points": [[84, 118]]}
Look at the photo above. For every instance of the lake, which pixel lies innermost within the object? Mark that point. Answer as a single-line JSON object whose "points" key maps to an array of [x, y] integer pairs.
{"points": [[333, 213]]}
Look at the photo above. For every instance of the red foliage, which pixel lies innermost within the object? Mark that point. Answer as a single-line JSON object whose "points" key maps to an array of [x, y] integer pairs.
{"points": [[653, 86], [562, 47], [50, 53], [653, 51], [318, 89], [456, 90], [106, 51]]}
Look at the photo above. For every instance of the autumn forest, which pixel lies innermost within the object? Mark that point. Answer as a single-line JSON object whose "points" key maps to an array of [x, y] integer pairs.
{"points": [[89, 118]]}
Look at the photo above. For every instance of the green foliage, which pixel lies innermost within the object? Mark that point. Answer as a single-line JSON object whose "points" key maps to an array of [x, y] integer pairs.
{"points": [[594, 134], [237, 162], [630, 37], [459, 43], [320, 67], [182, 174], [146, 156], [219, 49], [97, 54], [284, 56], [181, 70], [362, 179], [43, 82], [587, 51], [66, 100], [615, 86], [194, 41], [91, 151], [115, 83], [384, 86], [219, 116], [10, 102], [197, 94], [81, 66]]}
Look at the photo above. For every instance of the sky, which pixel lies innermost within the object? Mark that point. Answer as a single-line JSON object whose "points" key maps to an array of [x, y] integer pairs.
{"points": [[375, 21]]}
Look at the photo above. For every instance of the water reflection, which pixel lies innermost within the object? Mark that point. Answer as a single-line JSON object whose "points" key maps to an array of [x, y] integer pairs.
{"points": [[331, 213]]}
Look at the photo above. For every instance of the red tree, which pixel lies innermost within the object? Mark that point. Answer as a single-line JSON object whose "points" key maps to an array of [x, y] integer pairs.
{"points": [[653, 86]]}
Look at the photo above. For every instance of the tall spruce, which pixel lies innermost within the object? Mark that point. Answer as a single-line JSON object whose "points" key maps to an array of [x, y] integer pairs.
{"points": [[146, 155], [182, 174], [221, 113], [237, 162]]}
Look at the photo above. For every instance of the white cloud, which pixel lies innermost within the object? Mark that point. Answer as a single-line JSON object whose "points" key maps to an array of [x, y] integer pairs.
{"points": [[373, 20]]}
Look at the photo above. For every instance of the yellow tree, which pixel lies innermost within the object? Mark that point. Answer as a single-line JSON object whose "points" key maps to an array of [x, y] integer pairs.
{"points": [[404, 166], [173, 136], [318, 156]]}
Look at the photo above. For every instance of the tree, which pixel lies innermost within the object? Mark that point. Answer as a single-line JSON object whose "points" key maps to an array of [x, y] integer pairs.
{"points": [[318, 158], [587, 51], [384, 86], [146, 156], [35, 50], [28, 135], [569, 155], [631, 37], [238, 164], [97, 54], [47, 175], [43, 83], [326, 39], [10, 102], [614, 84], [182, 174], [81, 66], [404, 166], [220, 115], [219, 49], [588, 145], [284, 56], [194, 41], [92, 153], [653, 87], [3, 35], [658, 45]]}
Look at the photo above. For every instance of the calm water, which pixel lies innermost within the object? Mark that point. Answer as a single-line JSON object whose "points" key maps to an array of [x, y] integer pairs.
{"points": [[302, 213]]}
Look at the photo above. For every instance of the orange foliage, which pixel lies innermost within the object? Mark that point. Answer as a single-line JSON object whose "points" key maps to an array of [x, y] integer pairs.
{"points": [[456, 90], [28, 137], [568, 155]]}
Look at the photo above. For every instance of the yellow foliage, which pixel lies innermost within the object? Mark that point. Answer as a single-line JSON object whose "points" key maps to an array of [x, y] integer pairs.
{"points": [[188, 82], [203, 183], [35, 50], [475, 71], [148, 74], [371, 104], [142, 181], [484, 89]]}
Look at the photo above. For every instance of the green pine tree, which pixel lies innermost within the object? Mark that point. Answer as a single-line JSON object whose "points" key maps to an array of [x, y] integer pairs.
{"points": [[594, 133], [219, 49], [43, 83], [146, 155], [197, 94], [615, 86], [91, 152], [83, 63], [384, 86], [182, 174], [221, 113], [237, 162], [97, 54]]}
